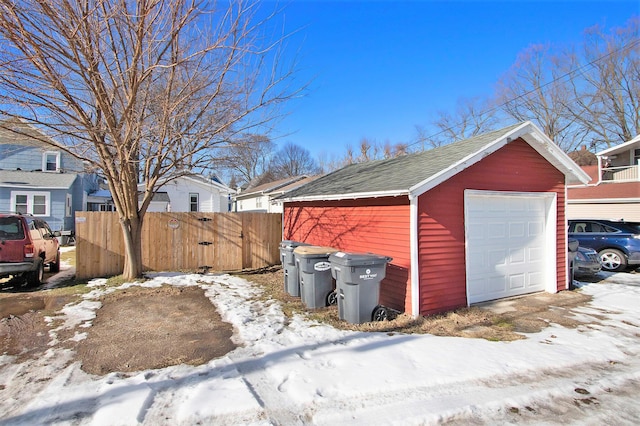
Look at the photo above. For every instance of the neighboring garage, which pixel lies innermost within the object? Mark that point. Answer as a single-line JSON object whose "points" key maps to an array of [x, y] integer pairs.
{"points": [[476, 220]]}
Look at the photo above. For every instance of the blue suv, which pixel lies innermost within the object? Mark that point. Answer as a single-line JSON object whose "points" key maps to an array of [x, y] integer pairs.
{"points": [[617, 242]]}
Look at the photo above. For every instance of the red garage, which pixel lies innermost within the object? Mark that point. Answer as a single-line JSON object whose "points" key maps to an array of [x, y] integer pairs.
{"points": [[476, 220]]}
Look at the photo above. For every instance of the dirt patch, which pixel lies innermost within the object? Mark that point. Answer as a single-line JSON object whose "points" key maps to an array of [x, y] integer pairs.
{"points": [[142, 328], [24, 333]]}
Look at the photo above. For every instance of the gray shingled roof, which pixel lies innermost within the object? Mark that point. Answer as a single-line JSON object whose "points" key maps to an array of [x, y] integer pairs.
{"points": [[28, 134], [396, 174], [36, 180]]}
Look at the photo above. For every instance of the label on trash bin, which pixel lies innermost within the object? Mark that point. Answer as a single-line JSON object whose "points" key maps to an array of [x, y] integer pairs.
{"points": [[368, 275], [322, 266]]}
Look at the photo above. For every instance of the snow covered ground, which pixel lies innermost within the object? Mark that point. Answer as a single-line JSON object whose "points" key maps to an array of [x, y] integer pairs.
{"points": [[295, 371]]}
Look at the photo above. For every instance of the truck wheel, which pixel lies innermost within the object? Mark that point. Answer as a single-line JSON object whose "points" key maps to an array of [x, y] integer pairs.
{"points": [[55, 266], [34, 278]]}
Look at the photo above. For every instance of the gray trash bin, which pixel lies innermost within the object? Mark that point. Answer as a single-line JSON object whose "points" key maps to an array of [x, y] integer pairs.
{"points": [[316, 281], [358, 277], [291, 283]]}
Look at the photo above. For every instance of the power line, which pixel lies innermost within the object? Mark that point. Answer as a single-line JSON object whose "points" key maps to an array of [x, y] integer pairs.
{"points": [[590, 64]]}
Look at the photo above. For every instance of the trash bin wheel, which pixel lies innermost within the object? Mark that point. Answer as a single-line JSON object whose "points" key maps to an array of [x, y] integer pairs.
{"points": [[380, 313], [332, 298]]}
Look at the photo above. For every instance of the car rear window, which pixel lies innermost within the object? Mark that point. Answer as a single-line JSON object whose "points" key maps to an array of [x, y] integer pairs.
{"points": [[635, 226], [11, 228]]}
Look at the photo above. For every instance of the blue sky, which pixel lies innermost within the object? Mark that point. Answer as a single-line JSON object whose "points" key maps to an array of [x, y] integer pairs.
{"points": [[379, 68]]}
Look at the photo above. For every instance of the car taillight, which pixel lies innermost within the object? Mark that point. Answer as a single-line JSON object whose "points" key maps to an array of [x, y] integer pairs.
{"points": [[28, 250]]}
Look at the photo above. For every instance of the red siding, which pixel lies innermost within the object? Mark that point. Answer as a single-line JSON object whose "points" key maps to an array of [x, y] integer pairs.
{"points": [[516, 167], [379, 226]]}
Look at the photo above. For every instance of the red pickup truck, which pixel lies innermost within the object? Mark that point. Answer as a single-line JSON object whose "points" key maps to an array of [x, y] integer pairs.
{"points": [[27, 244]]}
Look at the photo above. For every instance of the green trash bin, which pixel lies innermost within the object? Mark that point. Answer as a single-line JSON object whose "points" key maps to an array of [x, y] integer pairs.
{"points": [[358, 277], [317, 288], [291, 280]]}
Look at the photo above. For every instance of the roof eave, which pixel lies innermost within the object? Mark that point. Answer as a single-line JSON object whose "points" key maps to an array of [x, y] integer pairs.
{"points": [[352, 196], [527, 131], [620, 148]]}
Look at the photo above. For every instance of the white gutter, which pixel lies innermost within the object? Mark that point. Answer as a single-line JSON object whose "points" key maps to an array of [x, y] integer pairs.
{"points": [[603, 200], [27, 186], [352, 196]]}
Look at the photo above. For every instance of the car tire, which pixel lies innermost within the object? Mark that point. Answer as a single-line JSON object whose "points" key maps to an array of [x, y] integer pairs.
{"points": [[612, 260], [55, 266], [34, 278]]}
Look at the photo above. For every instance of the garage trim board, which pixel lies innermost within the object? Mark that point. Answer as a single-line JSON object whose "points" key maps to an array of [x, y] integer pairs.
{"points": [[510, 244]]}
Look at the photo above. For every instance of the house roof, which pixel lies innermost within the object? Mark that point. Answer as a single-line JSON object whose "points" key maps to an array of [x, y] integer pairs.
{"points": [[296, 184], [280, 186], [36, 180], [633, 143], [606, 191], [23, 133], [415, 174], [158, 197], [200, 180]]}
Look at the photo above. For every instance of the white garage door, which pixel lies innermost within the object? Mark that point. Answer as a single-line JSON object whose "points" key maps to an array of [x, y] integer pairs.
{"points": [[510, 244]]}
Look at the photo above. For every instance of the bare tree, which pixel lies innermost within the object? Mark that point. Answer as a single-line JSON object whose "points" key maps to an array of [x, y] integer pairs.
{"points": [[142, 90], [248, 157], [606, 90], [536, 88], [579, 95], [329, 162], [292, 160], [472, 116]]}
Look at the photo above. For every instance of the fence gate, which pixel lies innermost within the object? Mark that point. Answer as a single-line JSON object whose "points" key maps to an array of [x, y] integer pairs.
{"points": [[179, 242]]}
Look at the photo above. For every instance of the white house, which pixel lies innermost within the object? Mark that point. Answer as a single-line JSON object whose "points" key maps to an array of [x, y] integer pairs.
{"points": [[261, 198], [614, 191], [192, 193]]}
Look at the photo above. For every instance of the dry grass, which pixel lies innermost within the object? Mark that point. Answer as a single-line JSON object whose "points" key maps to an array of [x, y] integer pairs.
{"points": [[527, 314]]}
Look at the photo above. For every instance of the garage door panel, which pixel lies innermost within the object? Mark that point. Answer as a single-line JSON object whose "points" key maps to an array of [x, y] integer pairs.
{"points": [[536, 280], [516, 256], [517, 281], [536, 254], [495, 230], [516, 230], [506, 245]]}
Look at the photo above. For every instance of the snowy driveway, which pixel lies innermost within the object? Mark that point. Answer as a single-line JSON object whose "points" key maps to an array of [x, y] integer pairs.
{"points": [[292, 371]]}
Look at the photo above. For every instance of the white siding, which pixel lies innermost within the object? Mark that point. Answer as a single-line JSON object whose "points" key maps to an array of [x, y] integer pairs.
{"points": [[209, 196], [627, 211]]}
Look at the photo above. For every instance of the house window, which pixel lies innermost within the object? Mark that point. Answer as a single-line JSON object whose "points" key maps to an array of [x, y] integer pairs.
{"points": [[51, 161], [35, 203], [67, 210], [259, 202], [636, 156], [193, 202], [20, 203]]}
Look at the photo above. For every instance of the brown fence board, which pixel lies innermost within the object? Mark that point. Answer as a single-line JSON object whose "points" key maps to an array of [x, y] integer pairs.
{"points": [[179, 242]]}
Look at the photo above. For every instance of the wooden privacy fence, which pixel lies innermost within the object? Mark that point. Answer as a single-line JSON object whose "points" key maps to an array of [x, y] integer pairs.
{"points": [[179, 242]]}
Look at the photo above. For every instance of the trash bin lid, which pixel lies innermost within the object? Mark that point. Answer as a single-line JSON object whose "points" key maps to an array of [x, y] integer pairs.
{"points": [[314, 250], [358, 259], [289, 244]]}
